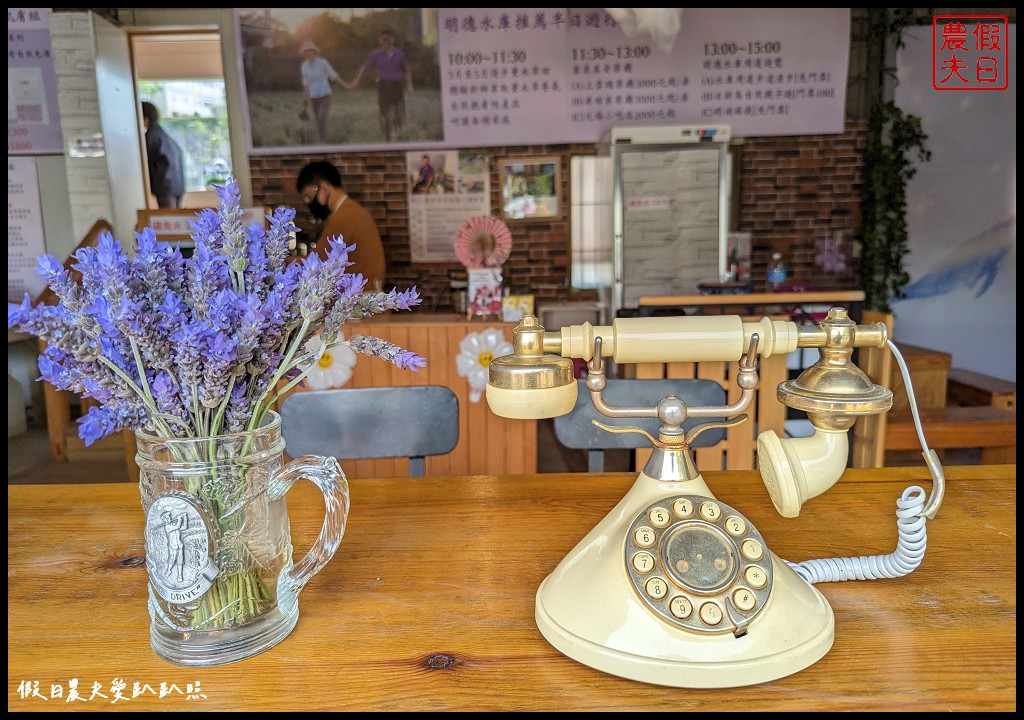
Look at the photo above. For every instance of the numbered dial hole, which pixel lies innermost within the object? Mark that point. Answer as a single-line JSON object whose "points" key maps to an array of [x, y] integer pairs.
{"points": [[698, 563]]}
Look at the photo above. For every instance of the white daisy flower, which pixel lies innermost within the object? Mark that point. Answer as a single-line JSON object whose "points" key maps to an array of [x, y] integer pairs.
{"points": [[334, 368], [475, 353]]}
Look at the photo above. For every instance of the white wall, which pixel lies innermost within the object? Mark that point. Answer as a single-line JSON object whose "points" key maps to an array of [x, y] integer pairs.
{"points": [[119, 118], [962, 217], [88, 189]]}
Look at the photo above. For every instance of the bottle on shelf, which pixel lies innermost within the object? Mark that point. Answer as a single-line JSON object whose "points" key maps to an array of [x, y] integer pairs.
{"points": [[776, 275], [733, 274]]}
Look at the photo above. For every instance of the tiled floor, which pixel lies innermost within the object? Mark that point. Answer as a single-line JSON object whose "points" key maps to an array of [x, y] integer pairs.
{"points": [[28, 462]]}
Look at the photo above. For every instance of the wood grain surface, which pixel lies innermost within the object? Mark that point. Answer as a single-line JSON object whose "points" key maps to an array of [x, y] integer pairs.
{"points": [[429, 602]]}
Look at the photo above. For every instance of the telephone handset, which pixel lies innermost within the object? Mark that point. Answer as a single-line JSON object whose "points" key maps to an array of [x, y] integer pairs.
{"points": [[674, 586]]}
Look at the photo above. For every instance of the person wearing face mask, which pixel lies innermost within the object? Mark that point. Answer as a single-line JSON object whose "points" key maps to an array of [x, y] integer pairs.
{"points": [[319, 184]]}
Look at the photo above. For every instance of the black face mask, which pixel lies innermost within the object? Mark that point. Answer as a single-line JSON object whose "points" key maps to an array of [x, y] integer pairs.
{"points": [[319, 210]]}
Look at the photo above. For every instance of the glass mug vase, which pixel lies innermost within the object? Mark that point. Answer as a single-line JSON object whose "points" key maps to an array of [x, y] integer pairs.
{"points": [[222, 584]]}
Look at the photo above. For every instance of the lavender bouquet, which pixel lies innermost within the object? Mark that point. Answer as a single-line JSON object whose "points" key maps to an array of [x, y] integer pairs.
{"points": [[198, 347], [201, 347]]}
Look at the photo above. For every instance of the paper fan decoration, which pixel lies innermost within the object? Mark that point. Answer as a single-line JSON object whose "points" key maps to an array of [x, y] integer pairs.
{"points": [[482, 242]]}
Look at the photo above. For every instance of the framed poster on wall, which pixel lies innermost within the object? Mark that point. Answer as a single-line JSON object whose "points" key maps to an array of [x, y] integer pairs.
{"points": [[25, 242], [530, 188], [33, 116], [330, 78], [445, 187]]}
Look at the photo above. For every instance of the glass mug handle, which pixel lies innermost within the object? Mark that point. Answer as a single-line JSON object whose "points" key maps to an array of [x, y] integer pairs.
{"points": [[327, 475]]}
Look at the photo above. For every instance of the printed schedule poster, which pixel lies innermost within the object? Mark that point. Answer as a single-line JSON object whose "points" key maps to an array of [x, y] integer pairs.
{"points": [[445, 188], [24, 230], [530, 75], [503, 74], [761, 71], [33, 120]]}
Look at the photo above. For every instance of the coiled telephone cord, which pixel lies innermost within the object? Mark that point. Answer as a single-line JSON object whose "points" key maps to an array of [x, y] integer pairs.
{"points": [[910, 547], [912, 513]]}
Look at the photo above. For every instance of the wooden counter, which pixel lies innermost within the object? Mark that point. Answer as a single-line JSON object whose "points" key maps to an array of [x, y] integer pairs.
{"points": [[758, 303], [488, 443], [428, 604]]}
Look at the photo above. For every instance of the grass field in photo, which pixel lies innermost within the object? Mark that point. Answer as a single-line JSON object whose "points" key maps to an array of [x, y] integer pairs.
{"points": [[354, 119]]}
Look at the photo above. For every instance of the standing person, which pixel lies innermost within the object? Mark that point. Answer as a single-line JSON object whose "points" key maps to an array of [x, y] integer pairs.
{"points": [[165, 160], [175, 547], [426, 176], [317, 76], [319, 183], [394, 77]]}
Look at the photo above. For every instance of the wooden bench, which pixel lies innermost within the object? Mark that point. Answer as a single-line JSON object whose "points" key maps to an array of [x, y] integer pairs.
{"points": [[966, 387], [992, 429], [928, 369]]}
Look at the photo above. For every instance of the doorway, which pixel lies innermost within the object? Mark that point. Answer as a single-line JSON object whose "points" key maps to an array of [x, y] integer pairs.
{"points": [[182, 74]]}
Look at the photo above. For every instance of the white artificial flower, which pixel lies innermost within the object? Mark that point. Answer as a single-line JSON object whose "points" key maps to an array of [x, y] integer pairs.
{"points": [[334, 368], [475, 353]]}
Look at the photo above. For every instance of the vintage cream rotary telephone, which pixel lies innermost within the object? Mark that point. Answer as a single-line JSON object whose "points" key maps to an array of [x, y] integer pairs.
{"points": [[675, 587]]}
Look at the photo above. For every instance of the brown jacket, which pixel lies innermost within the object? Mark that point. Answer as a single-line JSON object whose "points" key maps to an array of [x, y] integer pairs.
{"points": [[356, 226]]}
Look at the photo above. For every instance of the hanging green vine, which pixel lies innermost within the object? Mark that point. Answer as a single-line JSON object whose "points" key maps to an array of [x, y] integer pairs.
{"points": [[893, 136]]}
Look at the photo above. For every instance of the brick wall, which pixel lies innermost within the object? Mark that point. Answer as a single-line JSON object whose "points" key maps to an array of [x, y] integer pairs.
{"points": [[796, 190], [793, 190]]}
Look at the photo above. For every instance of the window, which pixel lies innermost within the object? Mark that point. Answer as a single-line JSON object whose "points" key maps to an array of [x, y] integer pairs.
{"points": [[591, 221]]}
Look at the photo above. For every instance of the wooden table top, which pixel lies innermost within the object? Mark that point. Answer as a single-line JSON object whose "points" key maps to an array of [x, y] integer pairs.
{"points": [[429, 602]]}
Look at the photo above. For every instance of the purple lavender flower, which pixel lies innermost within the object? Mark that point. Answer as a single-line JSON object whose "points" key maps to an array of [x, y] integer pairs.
{"points": [[375, 347], [206, 275], [60, 281], [829, 258], [198, 346], [257, 274], [169, 402], [278, 235], [19, 313], [239, 409], [99, 422], [187, 347], [158, 265]]}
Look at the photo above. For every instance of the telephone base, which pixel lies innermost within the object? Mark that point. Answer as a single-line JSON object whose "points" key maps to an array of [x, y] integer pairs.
{"points": [[689, 662], [591, 610]]}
